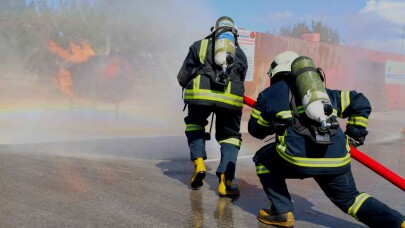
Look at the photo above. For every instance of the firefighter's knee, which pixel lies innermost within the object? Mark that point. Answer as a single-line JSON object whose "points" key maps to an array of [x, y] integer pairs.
{"points": [[261, 170], [357, 204]]}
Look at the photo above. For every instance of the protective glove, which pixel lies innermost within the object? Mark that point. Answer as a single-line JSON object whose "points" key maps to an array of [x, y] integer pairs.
{"points": [[356, 136], [355, 142]]}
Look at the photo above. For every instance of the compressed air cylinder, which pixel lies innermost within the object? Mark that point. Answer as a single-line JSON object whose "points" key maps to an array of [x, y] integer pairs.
{"points": [[224, 44], [311, 90]]}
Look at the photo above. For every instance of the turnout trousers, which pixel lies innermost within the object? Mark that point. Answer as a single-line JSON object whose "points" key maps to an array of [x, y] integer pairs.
{"points": [[227, 134], [339, 188]]}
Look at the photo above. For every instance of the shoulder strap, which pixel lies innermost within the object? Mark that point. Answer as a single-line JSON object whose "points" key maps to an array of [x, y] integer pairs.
{"points": [[202, 54], [296, 123]]}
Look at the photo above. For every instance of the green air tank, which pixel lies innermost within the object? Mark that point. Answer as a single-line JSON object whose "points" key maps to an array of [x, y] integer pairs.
{"points": [[224, 53], [311, 90]]}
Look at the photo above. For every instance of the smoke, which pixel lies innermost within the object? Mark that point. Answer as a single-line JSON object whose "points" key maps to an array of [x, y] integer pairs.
{"points": [[129, 88]]}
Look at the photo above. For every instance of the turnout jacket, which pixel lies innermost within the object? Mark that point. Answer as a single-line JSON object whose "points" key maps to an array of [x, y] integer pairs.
{"points": [[297, 151], [197, 73]]}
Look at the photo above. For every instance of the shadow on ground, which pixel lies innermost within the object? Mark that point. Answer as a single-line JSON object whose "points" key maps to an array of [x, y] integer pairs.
{"points": [[252, 195]]}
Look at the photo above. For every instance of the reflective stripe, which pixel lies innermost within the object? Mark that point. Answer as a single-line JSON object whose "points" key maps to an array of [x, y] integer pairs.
{"points": [[309, 162], [203, 50], [284, 114], [347, 144], [228, 87], [233, 141], [196, 81], [263, 122], [261, 169], [300, 109], [358, 120], [357, 204], [255, 113], [194, 127], [212, 95], [344, 101]]}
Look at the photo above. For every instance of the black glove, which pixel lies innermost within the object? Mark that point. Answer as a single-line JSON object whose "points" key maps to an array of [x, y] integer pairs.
{"points": [[356, 136], [355, 142]]}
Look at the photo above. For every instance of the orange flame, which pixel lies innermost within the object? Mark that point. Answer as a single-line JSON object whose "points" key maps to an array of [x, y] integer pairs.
{"points": [[79, 54], [65, 82], [115, 67]]}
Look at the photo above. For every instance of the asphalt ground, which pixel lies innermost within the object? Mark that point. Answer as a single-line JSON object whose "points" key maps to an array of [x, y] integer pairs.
{"points": [[114, 175]]}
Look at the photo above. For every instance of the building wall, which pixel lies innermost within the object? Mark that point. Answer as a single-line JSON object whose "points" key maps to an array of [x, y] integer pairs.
{"points": [[346, 68]]}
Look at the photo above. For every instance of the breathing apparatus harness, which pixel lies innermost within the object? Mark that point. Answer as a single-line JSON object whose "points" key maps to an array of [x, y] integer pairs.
{"points": [[220, 77]]}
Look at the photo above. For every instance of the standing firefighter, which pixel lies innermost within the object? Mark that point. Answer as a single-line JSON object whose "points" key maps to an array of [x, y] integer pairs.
{"points": [[212, 76], [309, 142]]}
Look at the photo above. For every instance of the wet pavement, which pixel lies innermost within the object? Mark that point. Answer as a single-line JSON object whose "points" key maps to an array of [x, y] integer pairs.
{"points": [[143, 181]]}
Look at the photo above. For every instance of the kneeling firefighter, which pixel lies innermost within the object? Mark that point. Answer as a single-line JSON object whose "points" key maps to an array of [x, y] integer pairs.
{"points": [[302, 113], [212, 77]]}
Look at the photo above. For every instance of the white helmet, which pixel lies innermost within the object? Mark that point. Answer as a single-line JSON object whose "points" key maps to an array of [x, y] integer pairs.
{"points": [[282, 63]]}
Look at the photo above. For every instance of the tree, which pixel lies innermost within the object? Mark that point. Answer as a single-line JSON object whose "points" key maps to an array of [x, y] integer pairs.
{"points": [[328, 35]]}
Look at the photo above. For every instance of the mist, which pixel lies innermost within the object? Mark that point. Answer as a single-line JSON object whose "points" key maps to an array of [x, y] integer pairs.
{"points": [[82, 70], [101, 69]]}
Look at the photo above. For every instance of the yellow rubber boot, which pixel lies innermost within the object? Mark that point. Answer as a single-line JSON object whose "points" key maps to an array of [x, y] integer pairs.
{"points": [[280, 220], [199, 173], [226, 188], [403, 225]]}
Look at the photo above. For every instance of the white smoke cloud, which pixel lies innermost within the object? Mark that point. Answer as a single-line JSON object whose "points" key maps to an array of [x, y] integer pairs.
{"points": [[281, 16], [379, 25], [391, 11]]}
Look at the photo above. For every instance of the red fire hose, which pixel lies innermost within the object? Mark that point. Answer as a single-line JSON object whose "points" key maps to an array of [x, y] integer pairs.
{"points": [[363, 159]]}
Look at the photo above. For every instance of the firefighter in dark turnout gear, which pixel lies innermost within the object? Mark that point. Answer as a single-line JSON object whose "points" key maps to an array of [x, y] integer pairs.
{"points": [[208, 89], [295, 155]]}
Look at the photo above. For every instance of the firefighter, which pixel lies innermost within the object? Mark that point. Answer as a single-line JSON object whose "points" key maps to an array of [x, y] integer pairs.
{"points": [[212, 77], [297, 153]]}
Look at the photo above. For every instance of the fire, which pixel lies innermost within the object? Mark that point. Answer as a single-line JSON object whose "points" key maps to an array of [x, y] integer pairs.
{"points": [[79, 54], [65, 82], [115, 67]]}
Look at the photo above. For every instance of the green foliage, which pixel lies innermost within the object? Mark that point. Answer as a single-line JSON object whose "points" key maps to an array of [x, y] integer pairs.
{"points": [[328, 35]]}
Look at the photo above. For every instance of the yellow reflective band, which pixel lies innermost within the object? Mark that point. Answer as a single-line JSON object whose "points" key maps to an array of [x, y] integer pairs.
{"points": [[334, 113], [203, 50], [261, 169], [300, 109], [263, 122], [255, 113], [344, 101], [194, 127], [357, 204], [196, 82], [309, 162], [228, 88], [358, 120], [284, 114], [233, 141], [212, 95], [313, 162], [347, 144]]}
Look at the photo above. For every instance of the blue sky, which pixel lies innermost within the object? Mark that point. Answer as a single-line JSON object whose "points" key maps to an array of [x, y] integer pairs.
{"points": [[371, 24]]}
